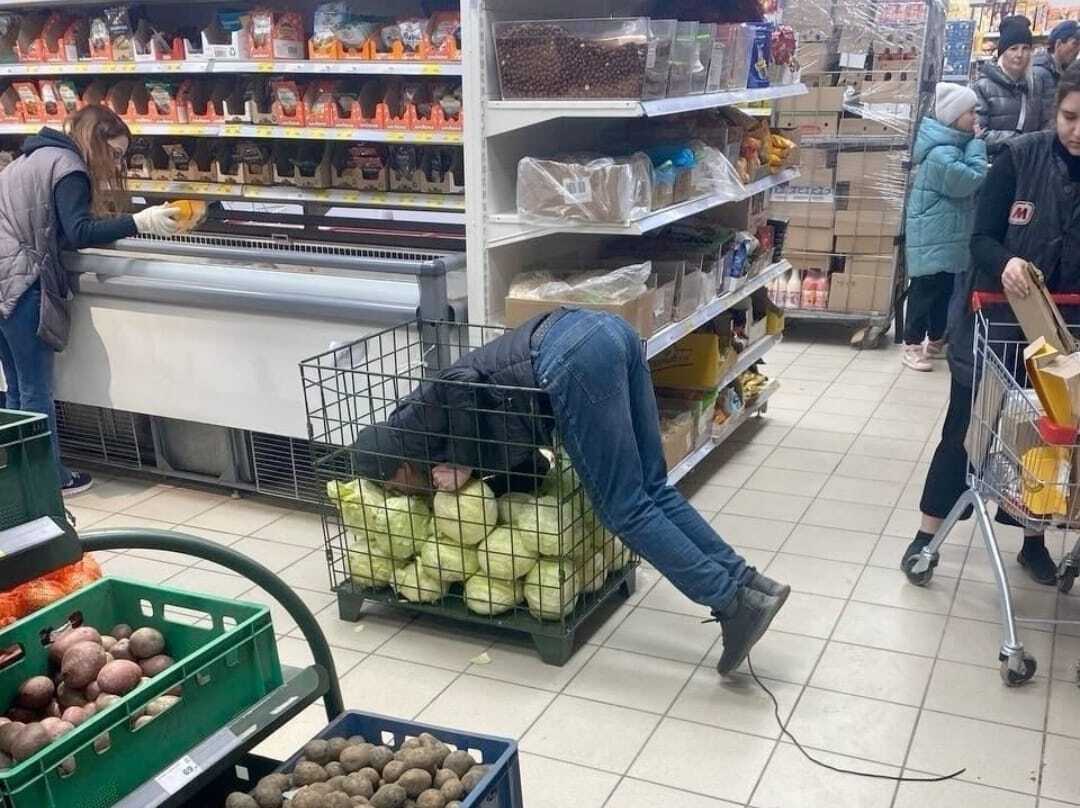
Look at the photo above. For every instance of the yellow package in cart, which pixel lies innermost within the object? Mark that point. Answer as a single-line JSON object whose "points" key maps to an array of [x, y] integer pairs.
{"points": [[1056, 379], [1045, 480]]}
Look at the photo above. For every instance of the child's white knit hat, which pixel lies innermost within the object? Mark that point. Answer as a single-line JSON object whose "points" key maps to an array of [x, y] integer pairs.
{"points": [[951, 101]]}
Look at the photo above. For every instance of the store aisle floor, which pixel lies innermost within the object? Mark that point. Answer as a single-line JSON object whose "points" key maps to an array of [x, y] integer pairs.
{"points": [[873, 673]]}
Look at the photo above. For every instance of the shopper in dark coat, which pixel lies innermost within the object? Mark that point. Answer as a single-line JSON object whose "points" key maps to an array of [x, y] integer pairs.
{"points": [[582, 375], [1029, 212], [1048, 65], [1010, 96]]}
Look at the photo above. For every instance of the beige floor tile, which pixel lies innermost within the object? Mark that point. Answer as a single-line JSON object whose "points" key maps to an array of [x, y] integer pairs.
{"points": [[734, 451], [1060, 774], [894, 450], [295, 527], [951, 556], [221, 584], [803, 460], [735, 702], [519, 663], [283, 744], [778, 655], [140, 569], [711, 498], [811, 615], [310, 572], [978, 567], [86, 518], [852, 489], [786, 507], [487, 706], [176, 505], [750, 531], [437, 643], [994, 755], [908, 411], [665, 597], [283, 622], [393, 687], [705, 760], [215, 536], [554, 784], [831, 543], [975, 642], [815, 576], [374, 628], [761, 431], [730, 475], [873, 672], [883, 469], [841, 405], [631, 680], [899, 430], [954, 794], [243, 516], [663, 634], [808, 372], [858, 392], [791, 780], [829, 422], [572, 729], [851, 725], [980, 602], [120, 493], [297, 653], [633, 793], [847, 515], [274, 556], [1066, 658], [785, 481], [816, 440], [1063, 717], [887, 587], [892, 629]]}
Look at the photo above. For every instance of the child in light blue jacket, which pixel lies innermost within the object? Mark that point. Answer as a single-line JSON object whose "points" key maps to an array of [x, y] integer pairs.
{"points": [[950, 166]]}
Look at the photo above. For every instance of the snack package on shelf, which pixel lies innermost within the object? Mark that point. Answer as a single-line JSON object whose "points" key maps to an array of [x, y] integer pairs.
{"points": [[228, 36], [153, 45], [443, 169], [228, 168], [321, 103], [418, 38], [257, 162], [404, 165], [306, 164], [287, 106], [363, 109], [360, 167], [182, 164], [276, 34], [585, 188], [337, 33]]}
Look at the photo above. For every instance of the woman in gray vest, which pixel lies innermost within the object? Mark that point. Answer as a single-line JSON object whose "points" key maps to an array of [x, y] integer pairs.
{"points": [[1029, 212], [60, 193], [1010, 95]]}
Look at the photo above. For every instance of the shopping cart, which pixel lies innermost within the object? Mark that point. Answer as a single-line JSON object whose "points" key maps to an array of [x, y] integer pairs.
{"points": [[1019, 459]]}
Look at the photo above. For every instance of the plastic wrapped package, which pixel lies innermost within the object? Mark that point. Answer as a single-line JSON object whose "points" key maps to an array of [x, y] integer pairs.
{"points": [[591, 58], [714, 174], [589, 287], [585, 188]]}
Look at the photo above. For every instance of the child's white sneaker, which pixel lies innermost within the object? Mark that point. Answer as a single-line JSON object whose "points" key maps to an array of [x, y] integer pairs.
{"points": [[935, 349], [915, 358]]}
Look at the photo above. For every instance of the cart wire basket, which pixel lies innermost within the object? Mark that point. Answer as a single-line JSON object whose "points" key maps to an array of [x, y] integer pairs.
{"points": [[1018, 459], [517, 547]]}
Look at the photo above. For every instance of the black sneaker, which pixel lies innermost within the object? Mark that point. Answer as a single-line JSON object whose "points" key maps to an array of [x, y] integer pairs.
{"points": [[1035, 558], [767, 586], [915, 548], [753, 613], [80, 481]]}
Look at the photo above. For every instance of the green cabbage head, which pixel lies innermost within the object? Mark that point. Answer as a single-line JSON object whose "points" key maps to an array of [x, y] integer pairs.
{"points": [[405, 520], [413, 581], [358, 501], [448, 559], [591, 572], [467, 515], [485, 595], [551, 589], [507, 555], [367, 565]]}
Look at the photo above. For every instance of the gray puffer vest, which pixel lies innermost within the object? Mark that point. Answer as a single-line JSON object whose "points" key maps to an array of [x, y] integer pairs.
{"points": [[29, 238], [1049, 238], [1000, 102]]}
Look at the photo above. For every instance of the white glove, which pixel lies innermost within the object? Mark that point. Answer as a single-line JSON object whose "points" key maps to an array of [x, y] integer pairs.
{"points": [[160, 220]]}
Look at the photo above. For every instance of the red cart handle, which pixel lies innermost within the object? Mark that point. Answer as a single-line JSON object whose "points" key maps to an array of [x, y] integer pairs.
{"points": [[980, 299]]}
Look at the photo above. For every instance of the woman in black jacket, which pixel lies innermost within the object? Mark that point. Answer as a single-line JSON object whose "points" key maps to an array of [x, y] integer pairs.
{"points": [[1029, 212], [60, 193]]}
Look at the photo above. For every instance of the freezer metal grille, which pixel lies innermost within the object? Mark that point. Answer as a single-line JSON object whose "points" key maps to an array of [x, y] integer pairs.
{"points": [[283, 468], [293, 247], [105, 437]]}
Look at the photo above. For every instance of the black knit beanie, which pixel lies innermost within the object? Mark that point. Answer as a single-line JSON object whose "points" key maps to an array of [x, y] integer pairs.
{"points": [[1015, 30]]}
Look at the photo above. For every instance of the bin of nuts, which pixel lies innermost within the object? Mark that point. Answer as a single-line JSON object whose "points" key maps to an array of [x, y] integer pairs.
{"points": [[598, 58]]}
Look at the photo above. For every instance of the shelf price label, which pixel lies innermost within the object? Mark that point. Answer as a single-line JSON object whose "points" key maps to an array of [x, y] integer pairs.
{"points": [[174, 778], [431, 70]]}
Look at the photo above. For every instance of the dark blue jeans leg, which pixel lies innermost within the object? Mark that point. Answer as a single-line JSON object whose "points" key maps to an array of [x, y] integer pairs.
{"points": [[591, 366], [28, 366]]}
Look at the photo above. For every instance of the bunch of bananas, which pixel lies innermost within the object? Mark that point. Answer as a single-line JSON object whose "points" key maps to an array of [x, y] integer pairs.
{"points": [[751, 383], [779, 152]]}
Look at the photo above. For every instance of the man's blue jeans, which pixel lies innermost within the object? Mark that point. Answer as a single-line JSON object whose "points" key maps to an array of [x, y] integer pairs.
{"points": [[605, 411], [28, 366]]}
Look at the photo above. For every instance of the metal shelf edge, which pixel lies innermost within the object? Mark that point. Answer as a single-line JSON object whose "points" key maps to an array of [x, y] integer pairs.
{"points": [[833, 316], [515, 230], [218, 66], [671, 334], [721, 434], [267, 131]]}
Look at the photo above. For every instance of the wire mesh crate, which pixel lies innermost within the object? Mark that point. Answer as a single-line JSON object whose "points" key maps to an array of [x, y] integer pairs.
{"points": [[518, 546], [28, 484]]}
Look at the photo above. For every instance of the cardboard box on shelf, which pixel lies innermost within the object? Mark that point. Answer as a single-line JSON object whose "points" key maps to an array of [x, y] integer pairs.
{"points": [[701, 404], [810, 125], [691, 363], [882, 91], [809, 239], [638, 312], [804, 214], [858, 127], [803, 261], [838, 292], [676, 436], [867, 293], [816, 60], [877, 266], [865, 245], [816, 99], [846, 222]]}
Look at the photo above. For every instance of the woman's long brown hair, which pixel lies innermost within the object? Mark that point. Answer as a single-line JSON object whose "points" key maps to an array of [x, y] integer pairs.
{"points": [[91, 129]]}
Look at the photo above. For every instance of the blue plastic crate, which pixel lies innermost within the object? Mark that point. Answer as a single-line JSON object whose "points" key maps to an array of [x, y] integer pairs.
{"points": [[501, 788]]}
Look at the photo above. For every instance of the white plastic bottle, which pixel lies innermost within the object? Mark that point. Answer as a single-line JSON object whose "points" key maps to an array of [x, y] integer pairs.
{"points": [[793, 298]]}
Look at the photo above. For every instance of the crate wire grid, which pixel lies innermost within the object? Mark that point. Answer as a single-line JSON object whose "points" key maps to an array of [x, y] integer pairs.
{"points": [[360, 384]]}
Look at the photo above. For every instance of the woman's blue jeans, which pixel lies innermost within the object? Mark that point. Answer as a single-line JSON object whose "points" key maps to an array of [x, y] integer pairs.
{"points": [[28, 366], [593, 368]]}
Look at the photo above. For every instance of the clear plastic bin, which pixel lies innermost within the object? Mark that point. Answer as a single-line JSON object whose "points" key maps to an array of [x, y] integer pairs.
{"points": [[730, 64], [658, 60], [593, 58], [684, 59]]}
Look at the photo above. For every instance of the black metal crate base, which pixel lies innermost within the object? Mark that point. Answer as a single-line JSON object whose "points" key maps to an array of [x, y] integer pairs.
{"points": [[555, 640]]}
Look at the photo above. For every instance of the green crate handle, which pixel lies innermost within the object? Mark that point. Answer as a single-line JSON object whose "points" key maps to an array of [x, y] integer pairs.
{"points": [[172, 542]]}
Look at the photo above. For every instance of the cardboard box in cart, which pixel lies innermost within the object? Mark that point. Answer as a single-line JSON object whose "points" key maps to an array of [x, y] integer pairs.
{"points": [[639, 312]]}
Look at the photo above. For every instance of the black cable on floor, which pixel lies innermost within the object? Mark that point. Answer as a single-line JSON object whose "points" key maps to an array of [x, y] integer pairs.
{"points": [[839, 769]]}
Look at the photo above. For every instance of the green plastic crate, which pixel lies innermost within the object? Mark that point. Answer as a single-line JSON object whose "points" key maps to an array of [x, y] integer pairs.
{"points": [[28, 484], [226, 661]]}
